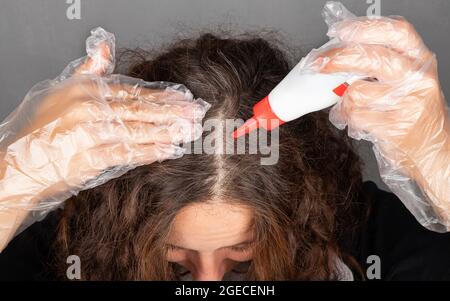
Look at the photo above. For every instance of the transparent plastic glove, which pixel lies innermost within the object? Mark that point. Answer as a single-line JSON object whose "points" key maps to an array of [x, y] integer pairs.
{"points": [[402, 112], [84, 128]]}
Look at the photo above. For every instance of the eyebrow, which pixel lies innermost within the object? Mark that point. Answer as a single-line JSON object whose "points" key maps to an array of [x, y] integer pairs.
{"points": [[241, 244]]}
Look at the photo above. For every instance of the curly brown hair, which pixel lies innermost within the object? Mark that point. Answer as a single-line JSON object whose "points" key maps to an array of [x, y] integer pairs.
{"points": [[303, 206]]}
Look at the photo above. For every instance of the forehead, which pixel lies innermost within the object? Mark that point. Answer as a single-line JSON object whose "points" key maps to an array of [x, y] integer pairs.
{"points": [[210, 226]]}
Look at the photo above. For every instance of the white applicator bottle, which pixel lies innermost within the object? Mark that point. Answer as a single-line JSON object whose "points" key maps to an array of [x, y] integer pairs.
{"points": [[299, 93]]}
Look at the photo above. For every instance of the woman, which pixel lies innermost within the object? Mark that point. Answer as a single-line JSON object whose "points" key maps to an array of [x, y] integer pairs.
{"points": [[218, 216]]}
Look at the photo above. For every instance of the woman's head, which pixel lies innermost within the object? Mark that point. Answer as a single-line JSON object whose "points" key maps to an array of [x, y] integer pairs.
{"points": [[207, 213]]}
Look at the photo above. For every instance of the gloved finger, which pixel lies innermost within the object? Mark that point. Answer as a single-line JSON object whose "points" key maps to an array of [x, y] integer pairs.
{"points": [[91, 162], [396, 33], [105, 89], [157, 113], [364, 94], [181, 131], [372, 60], [175, 103], [406, 96], [358, 98], [135, 110], [100, 59], [374, 126], [136, 91], [122, 86], [98, 63], [376, 108]]}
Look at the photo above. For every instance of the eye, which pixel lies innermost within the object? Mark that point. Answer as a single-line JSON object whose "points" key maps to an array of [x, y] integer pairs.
{"points": [[242, 267], [242, 248], [241, 252], [179, 270]]}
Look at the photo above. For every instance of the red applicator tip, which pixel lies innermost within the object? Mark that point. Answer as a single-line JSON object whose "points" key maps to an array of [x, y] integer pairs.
{"points": [[340, 90], [248, 127], [263, 117]]}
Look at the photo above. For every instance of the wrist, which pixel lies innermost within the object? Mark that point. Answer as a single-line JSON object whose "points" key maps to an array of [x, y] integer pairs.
{"points": [[432, 174]]}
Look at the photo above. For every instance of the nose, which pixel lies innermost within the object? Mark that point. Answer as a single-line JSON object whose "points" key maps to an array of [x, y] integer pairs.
{"points": [[209, 268]]}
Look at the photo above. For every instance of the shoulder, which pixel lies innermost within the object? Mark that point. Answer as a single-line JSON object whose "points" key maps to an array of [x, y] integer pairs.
{"points": [[406, 249], [26, 257]]}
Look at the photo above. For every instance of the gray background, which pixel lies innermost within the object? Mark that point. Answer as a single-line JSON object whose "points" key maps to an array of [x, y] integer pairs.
{"points": [[37, 40]]}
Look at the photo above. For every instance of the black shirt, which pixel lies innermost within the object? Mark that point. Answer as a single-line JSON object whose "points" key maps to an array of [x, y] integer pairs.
{"points": [[407, 251]]}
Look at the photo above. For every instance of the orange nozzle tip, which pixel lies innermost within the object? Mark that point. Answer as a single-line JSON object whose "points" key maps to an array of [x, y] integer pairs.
{"points": [[248, 127]]}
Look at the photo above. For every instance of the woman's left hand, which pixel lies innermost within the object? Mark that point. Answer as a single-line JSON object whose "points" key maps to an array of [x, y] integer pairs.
{"points": [[404, 112]]}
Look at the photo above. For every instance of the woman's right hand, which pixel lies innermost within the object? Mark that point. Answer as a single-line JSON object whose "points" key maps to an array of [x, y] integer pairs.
{"points": [[86, 129]]}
